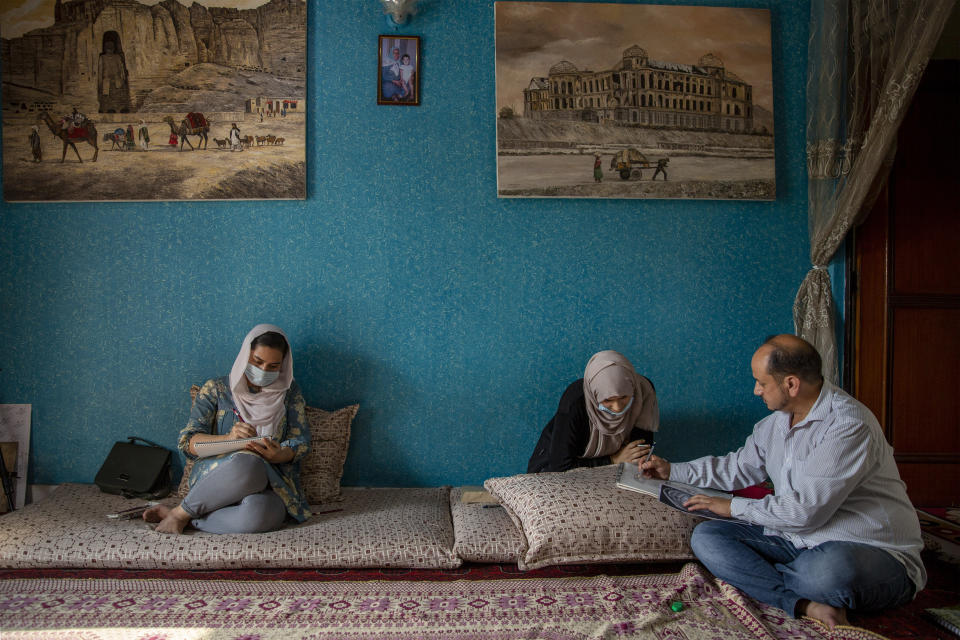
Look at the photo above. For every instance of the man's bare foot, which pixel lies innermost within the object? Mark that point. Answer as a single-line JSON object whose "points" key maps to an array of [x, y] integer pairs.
{"points": [[830, 616], [175, 521], [156, 513]]}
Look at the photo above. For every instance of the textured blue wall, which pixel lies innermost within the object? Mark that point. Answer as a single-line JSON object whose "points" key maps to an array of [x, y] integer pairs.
{"points": [[454, 318]]}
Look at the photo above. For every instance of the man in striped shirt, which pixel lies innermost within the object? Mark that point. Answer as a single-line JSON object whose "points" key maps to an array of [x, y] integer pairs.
{"points": [[838, 532]]}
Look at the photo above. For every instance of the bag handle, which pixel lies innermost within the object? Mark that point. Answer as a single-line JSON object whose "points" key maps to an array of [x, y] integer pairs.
{"points": [[133, 438]]}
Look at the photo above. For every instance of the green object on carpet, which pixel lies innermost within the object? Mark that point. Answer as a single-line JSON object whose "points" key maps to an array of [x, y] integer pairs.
{"points": [[677, 606], [557, 608]]}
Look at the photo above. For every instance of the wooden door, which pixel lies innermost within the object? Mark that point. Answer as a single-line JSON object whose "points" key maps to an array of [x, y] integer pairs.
{"points": [[906, 295]]}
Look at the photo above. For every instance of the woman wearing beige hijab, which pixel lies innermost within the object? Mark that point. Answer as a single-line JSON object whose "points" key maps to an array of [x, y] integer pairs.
{"points": [[256, 488], [608, 416]]}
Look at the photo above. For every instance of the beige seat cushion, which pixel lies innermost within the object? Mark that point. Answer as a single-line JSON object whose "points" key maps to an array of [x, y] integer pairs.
{"points": [[322, 468], [484, 533], [581, 516], [403, 528]]}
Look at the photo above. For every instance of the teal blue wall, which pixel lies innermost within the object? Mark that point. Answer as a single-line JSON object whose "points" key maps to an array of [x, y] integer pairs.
{"points": [[453, 317]]}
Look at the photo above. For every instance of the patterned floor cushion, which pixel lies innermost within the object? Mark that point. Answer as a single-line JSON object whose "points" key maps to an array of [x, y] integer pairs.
{"points": [[581, 516], [484, 533], [408, 528]]}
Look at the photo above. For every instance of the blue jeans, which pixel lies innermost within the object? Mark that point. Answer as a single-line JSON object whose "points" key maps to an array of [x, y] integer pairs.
{"points": [[847, 575]]}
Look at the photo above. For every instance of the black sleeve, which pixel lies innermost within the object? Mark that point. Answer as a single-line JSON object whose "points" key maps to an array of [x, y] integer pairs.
{"points": [[565, 437], [567, 443]]}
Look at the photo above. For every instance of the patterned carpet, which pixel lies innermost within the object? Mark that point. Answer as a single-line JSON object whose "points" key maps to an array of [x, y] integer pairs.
{"points": [[941, 532], [573, 608], [909, 622]]}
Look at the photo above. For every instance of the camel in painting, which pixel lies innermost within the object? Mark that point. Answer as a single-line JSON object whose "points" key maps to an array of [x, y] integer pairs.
{"points": [[186, 129], [84, 133]]}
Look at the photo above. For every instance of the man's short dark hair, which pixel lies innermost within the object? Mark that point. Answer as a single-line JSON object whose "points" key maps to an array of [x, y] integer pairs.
{"points": [[793, 356]]}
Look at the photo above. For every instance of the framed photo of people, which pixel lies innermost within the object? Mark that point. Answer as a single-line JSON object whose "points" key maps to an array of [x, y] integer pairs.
{"points": [[399, 70]]}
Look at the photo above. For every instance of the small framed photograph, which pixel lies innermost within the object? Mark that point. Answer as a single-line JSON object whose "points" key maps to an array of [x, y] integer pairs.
{"points": [[399, 70]]}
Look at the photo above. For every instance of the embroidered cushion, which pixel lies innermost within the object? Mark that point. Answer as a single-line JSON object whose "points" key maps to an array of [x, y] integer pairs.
{"points": [[484, 533], [582, 516], [322, 467]]}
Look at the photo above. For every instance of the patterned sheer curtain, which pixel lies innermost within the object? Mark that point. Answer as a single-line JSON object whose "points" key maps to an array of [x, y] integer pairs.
{"points": [[865, 59]]}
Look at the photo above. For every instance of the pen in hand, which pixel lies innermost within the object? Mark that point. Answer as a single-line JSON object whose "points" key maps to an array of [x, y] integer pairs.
{"points": [[650, 453], [640, 472]]}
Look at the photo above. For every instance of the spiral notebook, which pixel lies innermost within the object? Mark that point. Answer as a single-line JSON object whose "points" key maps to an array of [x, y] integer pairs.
{"points": [[207, 449], [947, 617]]}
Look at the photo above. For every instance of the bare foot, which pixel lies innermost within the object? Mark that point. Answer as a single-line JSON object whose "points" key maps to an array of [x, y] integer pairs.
{"points": [[830, 616], [175, 521], [156, 513]]}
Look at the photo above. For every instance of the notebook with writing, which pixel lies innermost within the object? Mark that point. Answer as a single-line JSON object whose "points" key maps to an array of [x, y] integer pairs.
{"points": [[207, 449]]}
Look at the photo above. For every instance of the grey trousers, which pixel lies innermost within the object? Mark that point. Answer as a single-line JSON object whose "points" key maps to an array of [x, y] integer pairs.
{"points": [[235, 498]]}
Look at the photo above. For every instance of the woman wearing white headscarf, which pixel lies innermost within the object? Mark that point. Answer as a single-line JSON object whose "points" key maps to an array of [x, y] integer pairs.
{"points": [[608, 416], [255, 488]]}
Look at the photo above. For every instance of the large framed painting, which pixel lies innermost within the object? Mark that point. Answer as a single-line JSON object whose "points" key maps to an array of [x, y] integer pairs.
{"points": [[140, 100], [600, 100]]}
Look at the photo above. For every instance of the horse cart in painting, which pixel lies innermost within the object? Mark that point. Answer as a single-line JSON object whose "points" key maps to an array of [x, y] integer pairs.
{"points": [[630, 163]]}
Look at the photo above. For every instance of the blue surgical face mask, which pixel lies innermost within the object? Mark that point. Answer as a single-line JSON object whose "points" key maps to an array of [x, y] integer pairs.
{"points": [[260, 378], [615, 413]]}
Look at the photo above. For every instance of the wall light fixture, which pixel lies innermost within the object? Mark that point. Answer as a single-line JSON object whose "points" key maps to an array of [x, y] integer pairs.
{"points": [[398, 11]]}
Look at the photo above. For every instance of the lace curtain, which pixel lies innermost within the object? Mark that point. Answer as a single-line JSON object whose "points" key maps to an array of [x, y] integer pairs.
{"points": [[864, 61]]}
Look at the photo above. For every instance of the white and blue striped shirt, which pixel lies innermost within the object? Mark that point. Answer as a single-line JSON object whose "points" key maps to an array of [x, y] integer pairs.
{"points": [[834, 478]]}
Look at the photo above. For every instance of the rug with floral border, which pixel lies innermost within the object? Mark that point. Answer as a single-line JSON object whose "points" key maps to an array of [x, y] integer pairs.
{"points": [[574, 608]]}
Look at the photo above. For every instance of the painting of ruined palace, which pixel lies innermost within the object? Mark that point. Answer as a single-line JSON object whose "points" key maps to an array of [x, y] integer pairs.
{"points": [[682, 108], [124, 100], [646, 92]]}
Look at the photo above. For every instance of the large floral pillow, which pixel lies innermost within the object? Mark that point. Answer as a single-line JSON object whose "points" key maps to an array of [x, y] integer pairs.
{"points": [[322, 467], [582, 516]]}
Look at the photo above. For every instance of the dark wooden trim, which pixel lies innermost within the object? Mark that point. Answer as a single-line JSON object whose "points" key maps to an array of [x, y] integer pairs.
{"points": [[849, 328], [928, 458], [869, 318], [927, 301], [892, 187]]}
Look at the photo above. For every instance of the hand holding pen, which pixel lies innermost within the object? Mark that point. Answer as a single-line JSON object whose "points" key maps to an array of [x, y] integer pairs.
{"points": [[240, 428], [655, 467]]}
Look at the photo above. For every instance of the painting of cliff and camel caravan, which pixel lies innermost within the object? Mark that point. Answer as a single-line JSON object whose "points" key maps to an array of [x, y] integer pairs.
{"points": [[599, 100], [107, 100]]}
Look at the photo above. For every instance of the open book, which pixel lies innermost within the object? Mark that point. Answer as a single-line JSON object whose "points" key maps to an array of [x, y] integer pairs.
{"points": [[671, 493], [207, 449]]}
